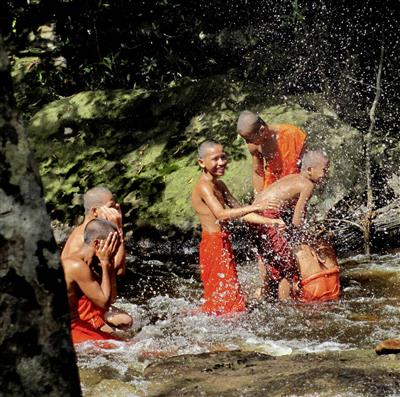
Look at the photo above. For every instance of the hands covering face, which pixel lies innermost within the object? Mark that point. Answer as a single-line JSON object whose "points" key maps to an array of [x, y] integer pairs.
{"points": [[106, 249], [111, 214]]}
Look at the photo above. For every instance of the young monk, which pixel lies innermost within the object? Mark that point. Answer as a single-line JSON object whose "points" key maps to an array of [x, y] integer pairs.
{"points": [[275, 149], [294, 191], [99, 202], [319, 272], [101, 242], [214, 205]]}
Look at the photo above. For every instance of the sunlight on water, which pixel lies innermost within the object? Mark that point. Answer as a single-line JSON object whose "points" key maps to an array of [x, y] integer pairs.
{"points": [[170, 324]]}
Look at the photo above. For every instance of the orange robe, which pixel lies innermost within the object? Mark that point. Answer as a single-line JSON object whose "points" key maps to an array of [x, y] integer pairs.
{"points": [[90, 313], [274, 246], [321, 287], [289, 146], [222, 292], [82, 331]]}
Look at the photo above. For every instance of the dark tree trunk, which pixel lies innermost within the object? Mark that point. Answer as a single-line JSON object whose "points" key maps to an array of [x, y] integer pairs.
{"points": [[37, 357]]}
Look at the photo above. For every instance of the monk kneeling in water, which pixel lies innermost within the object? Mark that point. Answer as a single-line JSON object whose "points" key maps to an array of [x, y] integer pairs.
{"points": [[214, 205], [294, 192], [99, 203], [319, 272], [101, 242]]}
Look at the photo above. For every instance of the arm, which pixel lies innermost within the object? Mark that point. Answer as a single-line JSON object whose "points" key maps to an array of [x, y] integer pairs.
{"points": [[305, 195], [262, 220], [257, 167], [221, 213], [83, 276], [99, 294]]}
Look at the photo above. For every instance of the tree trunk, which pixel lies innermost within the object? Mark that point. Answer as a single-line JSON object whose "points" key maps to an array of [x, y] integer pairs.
{"points": [[37, 357]]}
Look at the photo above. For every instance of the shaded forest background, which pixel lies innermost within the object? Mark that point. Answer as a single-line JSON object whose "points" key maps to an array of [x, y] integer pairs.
{"points": [[289, 48]]}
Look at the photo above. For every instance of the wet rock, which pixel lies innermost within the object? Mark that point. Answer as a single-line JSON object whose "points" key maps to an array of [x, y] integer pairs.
{"points": [[388, 346], [359, 372], [111, 388]]}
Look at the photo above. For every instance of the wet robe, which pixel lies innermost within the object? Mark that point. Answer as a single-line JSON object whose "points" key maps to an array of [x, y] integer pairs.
{"points": [[90, 313], [222, 292], [82, 331], [321, 287], [289, 146], [274, 247]]}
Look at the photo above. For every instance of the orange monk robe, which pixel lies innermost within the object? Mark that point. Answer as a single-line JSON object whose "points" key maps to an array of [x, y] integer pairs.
{"points": [[321, 287], [274, 247], [82, 331], [289, 146], [222, 292], [90, 313]]}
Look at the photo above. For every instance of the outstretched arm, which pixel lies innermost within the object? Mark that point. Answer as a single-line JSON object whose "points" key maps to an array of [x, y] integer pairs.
{"points": [[221, 213]]}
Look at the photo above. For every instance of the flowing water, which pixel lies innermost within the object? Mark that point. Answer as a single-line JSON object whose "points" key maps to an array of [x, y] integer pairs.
{"points": [[167, 322]]}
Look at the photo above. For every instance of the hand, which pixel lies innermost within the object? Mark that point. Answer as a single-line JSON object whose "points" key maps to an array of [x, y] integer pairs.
{"points": [[111, 214], [279, 224], [107, 248], [270, 204]]}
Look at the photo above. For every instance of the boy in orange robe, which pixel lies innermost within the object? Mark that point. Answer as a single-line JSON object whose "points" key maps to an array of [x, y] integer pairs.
{"points": [[101, 242], [100, 203], [293, 191], [214, 205], [319, 273], [276, 149]]}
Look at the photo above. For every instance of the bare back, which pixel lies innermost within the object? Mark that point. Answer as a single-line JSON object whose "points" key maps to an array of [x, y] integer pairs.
{"points": [[74, 241], [291, 187]]}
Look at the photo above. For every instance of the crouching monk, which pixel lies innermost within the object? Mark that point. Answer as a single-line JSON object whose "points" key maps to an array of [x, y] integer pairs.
{"points": [[214, 205], [101, 242], [99, 203], [319, 272]]}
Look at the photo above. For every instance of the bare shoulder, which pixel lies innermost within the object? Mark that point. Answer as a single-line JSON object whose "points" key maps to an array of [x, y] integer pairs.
{"points": [[74, 264]]}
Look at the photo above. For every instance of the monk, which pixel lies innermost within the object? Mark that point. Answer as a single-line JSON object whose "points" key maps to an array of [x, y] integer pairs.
{"points": [[101, 243], [99, 202], [215, 205], [293, 191], [276, 149], [319, 272]]}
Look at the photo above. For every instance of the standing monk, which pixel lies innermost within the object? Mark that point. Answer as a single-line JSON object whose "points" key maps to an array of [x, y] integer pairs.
{"points": [[99, 202], [275, 149], [215, 205]]}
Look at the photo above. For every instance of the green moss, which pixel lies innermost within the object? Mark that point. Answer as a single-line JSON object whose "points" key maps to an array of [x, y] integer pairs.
{"points": [[143, 145]]}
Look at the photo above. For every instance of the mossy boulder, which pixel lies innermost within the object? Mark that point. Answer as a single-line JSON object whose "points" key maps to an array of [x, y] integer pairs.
{"points": [[142, 145]]}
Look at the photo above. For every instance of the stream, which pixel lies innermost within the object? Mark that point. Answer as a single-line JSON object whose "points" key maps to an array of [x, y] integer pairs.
{"points": [[165, 306]]}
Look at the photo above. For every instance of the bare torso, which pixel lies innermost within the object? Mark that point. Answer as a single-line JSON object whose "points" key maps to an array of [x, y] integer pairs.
{"points": [[208, 220]]}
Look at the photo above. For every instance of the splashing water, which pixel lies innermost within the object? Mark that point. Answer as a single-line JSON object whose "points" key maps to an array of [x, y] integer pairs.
{"points": [[170, 324]]}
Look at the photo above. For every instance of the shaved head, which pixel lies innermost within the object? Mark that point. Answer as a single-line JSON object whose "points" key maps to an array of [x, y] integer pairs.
{"points": [[97, 229], [205, 147], [248, 122], [313, 158], [96, 197]]}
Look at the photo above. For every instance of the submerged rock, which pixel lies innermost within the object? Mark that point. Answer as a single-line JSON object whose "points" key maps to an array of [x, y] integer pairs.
{"points": [[359, 372]]}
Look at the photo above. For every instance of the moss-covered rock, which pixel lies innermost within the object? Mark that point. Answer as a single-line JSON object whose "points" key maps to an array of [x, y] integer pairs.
{"points": [[142, 145]]}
